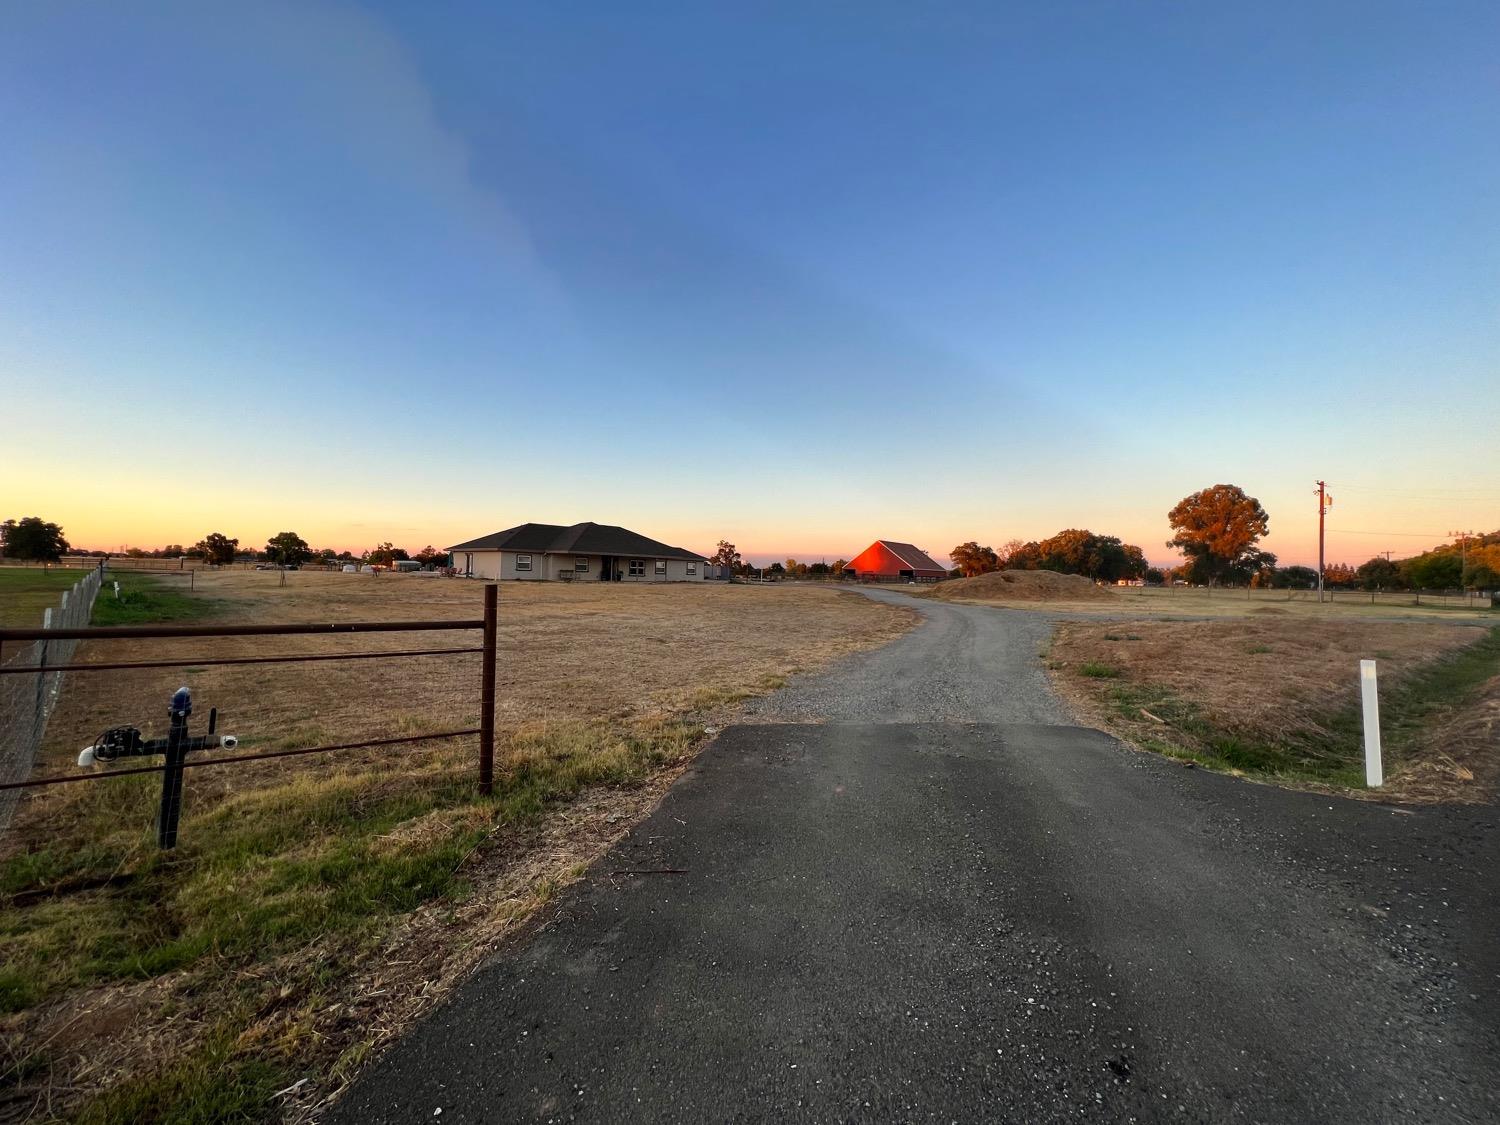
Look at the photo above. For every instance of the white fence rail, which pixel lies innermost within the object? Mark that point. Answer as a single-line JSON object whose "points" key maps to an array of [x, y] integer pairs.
{"points": [[26, 701]]}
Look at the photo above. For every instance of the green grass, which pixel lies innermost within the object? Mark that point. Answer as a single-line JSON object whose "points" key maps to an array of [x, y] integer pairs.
{"points": [[1097, 671], [323, 859], [268, 869], [27, 592], [1408, 709], [148, 600], [206, 1081], [1336, 757]]}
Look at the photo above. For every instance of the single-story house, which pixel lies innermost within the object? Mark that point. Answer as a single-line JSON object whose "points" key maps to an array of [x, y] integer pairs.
{"points": [[584, 552], [889, 560]]}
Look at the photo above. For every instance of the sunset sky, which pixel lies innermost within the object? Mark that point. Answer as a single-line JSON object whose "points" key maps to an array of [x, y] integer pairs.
{"points": [[793, 275]]}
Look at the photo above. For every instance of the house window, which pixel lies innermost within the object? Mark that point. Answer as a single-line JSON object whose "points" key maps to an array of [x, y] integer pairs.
{"points": [[523, 562], [637, 568], [581, 565], [661, 566], [692, 568]]}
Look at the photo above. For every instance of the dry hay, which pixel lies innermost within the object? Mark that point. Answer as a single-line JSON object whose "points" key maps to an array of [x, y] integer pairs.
{"points": [[1262, 678], [1022, 586]]}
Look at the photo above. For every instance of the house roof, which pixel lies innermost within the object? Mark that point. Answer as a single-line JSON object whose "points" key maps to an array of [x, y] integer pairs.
{"points": [[579, 539], [913, 557]]}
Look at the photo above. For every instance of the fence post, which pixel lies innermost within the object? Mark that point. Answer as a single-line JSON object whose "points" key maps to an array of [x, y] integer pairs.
{"points": [[1370, 706], [487, 694]]}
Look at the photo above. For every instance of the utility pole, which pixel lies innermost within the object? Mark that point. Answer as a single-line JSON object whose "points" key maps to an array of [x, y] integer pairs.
{"points": [[1325, 502], [1463, 554]]}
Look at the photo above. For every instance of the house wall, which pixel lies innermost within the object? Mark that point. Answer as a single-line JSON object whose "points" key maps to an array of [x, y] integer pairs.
{"points": [[481, 564], [558, 565], [502, 565], [676, 571]]}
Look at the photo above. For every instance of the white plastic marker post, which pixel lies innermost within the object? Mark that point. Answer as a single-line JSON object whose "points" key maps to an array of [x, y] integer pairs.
{"points": [[1374, 773]]}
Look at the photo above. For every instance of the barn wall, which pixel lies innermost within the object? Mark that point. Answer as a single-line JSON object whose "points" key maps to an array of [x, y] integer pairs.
{"points": [[877, 559]]}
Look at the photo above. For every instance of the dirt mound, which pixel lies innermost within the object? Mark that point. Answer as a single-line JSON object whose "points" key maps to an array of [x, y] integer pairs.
{"points": [[1022, 586]]}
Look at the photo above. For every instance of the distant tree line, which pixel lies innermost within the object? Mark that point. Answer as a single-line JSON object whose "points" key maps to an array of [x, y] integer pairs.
{"points": [[1217, 529], [1472, 564], [36, 540], [1103, 558]]}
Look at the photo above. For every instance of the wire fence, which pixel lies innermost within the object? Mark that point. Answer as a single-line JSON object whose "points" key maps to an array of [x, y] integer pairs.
{"points": [[52, 655], [27, 699]]}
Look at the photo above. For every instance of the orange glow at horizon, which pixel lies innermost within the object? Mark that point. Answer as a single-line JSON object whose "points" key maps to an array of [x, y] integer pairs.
{"points": [[94, 516]]}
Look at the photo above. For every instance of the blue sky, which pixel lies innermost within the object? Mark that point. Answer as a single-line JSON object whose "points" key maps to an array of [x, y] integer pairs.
{"points": [[796, 275]]}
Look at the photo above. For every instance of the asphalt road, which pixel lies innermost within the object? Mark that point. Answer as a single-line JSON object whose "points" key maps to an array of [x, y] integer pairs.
{"points": [[952, 921]]}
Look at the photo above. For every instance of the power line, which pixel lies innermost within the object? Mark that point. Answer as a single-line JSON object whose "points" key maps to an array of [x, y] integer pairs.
{"points": [[1420, 492], [1406, 534]]}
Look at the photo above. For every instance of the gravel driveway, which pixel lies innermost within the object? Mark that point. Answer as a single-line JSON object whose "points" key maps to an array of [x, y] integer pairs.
{"points": [[963, 664]]}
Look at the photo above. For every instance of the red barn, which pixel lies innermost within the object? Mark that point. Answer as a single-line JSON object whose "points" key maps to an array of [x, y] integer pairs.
{"points": [[888, 559]]}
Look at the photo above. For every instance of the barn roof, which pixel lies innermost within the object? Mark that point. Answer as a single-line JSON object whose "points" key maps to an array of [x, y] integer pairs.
{"points": [[578, 539], [914, 557]]}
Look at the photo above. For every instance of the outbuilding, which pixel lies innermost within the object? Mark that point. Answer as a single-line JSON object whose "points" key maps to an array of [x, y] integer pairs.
{"points": [[582, 552], [890, 561]]}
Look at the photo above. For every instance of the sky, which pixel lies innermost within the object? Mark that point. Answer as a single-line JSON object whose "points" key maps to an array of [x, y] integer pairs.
{"points": [[796, 276]]}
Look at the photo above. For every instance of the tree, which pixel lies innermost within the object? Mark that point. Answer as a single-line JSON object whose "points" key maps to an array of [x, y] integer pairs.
{"points": [[1295, 578], [1433, 571], [726, 556], [1481, 576], [287, 548], [1341, 575], [32, 538], [971, 559], [217, 549], [1023, 556], [384, 554], [1217, 529], [1379, 573], [1103, 558], [431, 556], [1155, 577]]}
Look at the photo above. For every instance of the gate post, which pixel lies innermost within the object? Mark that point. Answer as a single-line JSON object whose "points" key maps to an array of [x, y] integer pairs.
{"points": [[171, 777], [487, 694]]}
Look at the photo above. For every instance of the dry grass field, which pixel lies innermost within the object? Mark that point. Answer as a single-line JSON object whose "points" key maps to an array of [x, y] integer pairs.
{"points": [[1277, 696], [1072, 594], [316, 905]]}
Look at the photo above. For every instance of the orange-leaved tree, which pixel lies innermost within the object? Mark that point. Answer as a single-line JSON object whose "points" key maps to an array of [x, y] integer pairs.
{"points": [[1218, 529]]}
